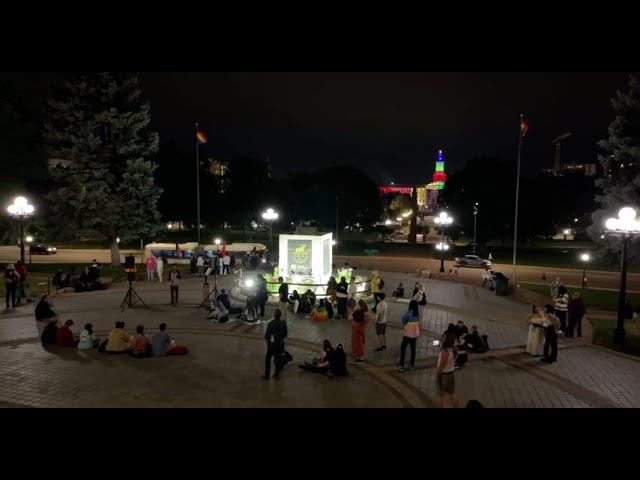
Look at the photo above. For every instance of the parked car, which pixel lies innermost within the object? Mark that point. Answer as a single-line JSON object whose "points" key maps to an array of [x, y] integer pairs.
{"points": [[42, 249], [472, 261]]}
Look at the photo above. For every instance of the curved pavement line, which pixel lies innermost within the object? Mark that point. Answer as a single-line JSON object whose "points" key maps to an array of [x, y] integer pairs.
{"points": [[406, 394]]}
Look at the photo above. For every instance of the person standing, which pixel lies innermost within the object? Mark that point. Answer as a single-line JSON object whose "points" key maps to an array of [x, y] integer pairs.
{"points": [[159, 268], [381, 323], [275, 336], [200, 265], [376, 282], [411, 332], [11, 280], [420, 297], [262, 295], [332, 286], [151, 268], [535, 339], [353, 288], [445, 378], [283, 294], [21, 287], [554, 288], [174, 284], [342, 294], [226, 264], [232, 263], [561, 307], [576, 311], [550, 324], [358, 330]]}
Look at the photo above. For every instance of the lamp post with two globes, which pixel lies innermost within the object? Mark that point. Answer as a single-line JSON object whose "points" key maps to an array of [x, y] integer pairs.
{"points": [[270, 216], [443, 221]]}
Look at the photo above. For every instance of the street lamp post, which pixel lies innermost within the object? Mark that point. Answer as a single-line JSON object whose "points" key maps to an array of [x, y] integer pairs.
{"points": [[217, 241], [585, 257], [270, 216], [443, 220], [475, 218], [625, 226], [29, 239], [21, 210]]}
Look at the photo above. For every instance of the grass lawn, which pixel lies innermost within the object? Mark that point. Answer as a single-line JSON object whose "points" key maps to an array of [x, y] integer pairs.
{"points": [[603, 336], [593, 298]]}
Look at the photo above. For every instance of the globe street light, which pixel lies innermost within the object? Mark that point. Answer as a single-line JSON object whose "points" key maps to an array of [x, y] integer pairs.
{"points": [[585, 257], [270, 216], [443, 220], [29, 239], [625, 226], [21, 210], [217, 241]]}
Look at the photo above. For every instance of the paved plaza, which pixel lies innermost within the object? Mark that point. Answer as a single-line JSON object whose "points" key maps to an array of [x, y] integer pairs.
{"points": [[226, 360]]}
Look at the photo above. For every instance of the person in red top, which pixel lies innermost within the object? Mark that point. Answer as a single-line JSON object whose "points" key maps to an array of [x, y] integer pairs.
{"points": [[21, 287], [64, 336]]}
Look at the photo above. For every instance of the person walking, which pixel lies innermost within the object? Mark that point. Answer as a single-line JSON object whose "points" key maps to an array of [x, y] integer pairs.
{"points": [[342, 294], [561, 307], [275, 336], [11, 280], [358, 330], [550, 324], [381, 323], [200, 265], [576, 311], [283, 294], [159, 268], [174, 284], [445, 369], [411, 326], [151, 268]]}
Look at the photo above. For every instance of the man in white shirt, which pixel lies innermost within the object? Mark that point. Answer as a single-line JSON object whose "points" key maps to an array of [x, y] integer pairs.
{"points": [[226, 261], [200, 264], [381, 322]]}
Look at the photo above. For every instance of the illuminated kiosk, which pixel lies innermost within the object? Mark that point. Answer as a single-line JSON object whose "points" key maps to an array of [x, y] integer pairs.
{"points": [[306, 258]]}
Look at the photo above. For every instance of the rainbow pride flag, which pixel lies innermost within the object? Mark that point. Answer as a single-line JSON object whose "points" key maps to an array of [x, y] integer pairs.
{"points": [[201, 137]]}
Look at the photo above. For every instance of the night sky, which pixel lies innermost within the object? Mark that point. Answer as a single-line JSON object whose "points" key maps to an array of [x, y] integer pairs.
{"points": [[390, 124]]}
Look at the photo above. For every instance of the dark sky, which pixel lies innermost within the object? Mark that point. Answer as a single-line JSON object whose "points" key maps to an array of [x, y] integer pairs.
{"points": [[390, 124]]}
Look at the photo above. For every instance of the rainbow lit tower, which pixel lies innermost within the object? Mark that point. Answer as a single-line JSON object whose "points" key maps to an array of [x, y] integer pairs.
{"points": [[439, 177]]}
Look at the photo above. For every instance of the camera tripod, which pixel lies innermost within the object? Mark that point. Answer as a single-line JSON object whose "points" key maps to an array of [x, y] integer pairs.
{"points": [[129, 300], [213, 293]]}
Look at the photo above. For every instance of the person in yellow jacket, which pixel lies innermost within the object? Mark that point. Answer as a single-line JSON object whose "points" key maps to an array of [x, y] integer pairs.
{"points": [[376, 287]]}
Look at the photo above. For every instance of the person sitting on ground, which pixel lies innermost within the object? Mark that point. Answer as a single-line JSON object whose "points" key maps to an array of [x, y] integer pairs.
{"points": [[476, 343], [319, 314], [140, 347], [49, 333], [119, 340], [320, 365], [461, 329], [93, 272], [451, 329], [329, 306], [161, 341], [223, 298], [64, 336], [44, 314], [311, 296], [338, 362], [399, 291], [294, 301], [88, 338], [58, 280], [305, 304]]}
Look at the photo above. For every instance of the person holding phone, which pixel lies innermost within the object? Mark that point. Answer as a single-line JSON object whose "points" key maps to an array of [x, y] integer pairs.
{"points": [[411, 331]]}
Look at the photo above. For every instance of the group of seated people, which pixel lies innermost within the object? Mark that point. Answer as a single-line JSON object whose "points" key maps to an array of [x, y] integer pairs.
{"points": [[466, 342], [84, 281], [332, 362], [302, 303], [139, 345]]}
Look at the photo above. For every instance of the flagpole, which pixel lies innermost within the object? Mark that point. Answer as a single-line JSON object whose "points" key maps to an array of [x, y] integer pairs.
{"points": [[198, 180], [515, 221]]}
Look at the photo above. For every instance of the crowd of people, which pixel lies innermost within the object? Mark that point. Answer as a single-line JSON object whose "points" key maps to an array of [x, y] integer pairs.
{"points": [[84, 280]]}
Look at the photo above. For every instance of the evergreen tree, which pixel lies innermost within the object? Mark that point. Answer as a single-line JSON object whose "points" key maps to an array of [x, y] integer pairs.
{"points": [[98, 123], [620, 183]]}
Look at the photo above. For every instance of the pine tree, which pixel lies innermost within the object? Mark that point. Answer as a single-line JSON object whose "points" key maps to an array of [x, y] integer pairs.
{"points": [[99, 124], [620, 183]]}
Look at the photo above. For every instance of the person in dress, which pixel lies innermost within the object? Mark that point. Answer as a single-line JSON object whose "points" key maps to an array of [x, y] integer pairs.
{"points": [[445, 376], [159, 268], [535, 339], [359, 322]]}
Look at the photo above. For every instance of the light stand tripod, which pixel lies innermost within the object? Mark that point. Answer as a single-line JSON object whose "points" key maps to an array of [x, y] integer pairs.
{"points": [[213, 293], [129, 300]]}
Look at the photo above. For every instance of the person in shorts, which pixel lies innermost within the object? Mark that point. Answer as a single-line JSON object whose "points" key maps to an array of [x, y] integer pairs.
{"points": [[381, 322], [445, 376]]}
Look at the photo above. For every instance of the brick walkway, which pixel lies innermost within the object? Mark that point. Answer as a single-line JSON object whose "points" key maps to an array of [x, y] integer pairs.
{"points": [[226, 360]]}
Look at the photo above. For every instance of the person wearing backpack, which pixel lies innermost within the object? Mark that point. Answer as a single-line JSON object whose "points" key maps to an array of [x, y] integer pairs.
{"points": [[275, 336]]}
